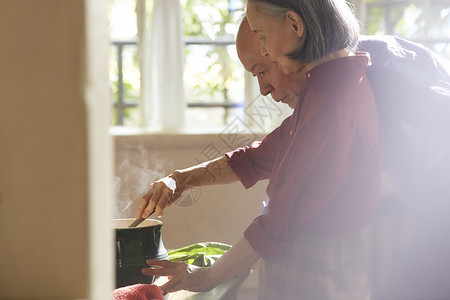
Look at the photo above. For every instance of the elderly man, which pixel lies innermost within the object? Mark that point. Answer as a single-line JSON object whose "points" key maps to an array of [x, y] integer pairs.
{"points": [[403, 76]]}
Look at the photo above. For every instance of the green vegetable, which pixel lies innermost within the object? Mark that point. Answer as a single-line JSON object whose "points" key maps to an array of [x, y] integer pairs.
{"points": [[200, 254]]}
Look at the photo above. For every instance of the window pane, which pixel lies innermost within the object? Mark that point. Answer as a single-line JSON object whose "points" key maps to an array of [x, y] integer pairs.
{"points": [[122, 19], [131, 74], [213, 74], [413, 20], [124, 72], [124, 77]]}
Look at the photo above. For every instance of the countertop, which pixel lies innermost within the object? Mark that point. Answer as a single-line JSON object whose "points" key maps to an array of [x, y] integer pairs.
{"points": [[224, 291]]}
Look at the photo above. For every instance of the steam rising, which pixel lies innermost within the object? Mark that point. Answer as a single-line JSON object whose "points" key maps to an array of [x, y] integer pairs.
{"points": [[135, 170]]}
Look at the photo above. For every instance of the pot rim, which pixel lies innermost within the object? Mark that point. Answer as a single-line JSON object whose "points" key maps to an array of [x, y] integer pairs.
{"points": [[123, 223]]}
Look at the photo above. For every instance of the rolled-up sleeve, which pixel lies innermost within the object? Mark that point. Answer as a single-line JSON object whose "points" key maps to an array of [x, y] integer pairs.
{"points": [[255, 162]]}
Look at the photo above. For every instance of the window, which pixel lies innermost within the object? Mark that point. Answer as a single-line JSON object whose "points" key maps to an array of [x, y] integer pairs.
{"points": [[123, 65], [217, 90], [214, 85], [423, 21]]}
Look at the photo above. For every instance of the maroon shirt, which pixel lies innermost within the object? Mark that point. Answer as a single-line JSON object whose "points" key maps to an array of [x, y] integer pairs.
{"points": [[323, 162]]}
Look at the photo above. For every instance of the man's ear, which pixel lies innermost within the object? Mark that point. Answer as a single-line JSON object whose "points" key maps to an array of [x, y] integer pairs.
{"points": [[295, 23]]}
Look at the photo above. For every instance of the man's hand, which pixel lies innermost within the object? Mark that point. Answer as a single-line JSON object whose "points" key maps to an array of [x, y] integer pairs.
{"points": [[160, 194], [182, 276]]}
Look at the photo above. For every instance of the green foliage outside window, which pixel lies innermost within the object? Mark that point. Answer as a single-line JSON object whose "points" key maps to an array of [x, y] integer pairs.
{"points": [[220, 79]]}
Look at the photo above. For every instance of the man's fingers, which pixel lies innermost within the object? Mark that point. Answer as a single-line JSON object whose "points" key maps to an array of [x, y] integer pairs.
{"points": [[153, 201], [162, 204], [160, 263], [158, 197], [170, 286], [164, 196], [144, 202], [155, 271], [142, 205], [162, 268]]}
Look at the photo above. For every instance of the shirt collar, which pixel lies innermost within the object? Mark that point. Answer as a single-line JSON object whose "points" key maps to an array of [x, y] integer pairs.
{"points": [[349, 66], [324, 74]]}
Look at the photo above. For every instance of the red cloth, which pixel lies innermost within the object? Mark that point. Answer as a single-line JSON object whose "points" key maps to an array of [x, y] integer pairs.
{"points": [[138, 292], [323, 162]]}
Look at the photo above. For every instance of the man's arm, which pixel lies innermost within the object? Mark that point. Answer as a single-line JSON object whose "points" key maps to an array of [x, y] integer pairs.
{"points": [[216, 171], [162, 193]]}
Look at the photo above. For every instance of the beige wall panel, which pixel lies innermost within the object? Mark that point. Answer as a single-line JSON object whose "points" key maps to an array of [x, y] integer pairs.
{"points": [[43, 156]]}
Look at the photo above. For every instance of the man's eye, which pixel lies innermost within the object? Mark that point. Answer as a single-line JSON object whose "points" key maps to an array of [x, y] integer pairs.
{"points": [[261, 73]]}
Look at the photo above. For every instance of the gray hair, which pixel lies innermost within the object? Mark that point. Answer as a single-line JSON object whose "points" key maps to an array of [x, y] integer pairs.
{"points": [[330, 25]]}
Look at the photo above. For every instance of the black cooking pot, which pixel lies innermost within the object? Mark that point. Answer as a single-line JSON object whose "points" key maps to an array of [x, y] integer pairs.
{"points": [[133, 247]]}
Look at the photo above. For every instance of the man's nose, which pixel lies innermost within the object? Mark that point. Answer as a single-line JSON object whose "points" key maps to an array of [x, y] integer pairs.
{"points": [[264, 51], [265, 89]]}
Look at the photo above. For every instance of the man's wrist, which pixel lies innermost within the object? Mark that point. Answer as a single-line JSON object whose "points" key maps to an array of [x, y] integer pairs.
{"points": [[170, 182], [214, 276], [180, 179]]}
